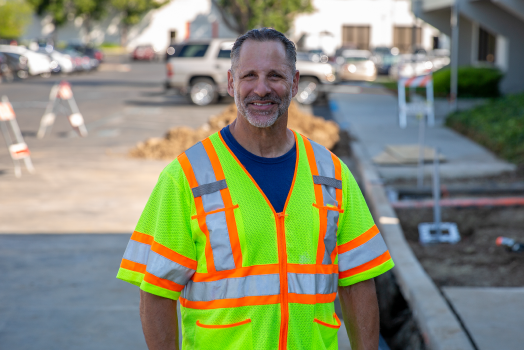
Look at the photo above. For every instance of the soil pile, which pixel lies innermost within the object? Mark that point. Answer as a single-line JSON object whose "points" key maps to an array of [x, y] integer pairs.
{"points": [[178, 139]]}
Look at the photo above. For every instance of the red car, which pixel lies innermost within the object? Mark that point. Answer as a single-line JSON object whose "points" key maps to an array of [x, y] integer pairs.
{"points": [[144, 52]]}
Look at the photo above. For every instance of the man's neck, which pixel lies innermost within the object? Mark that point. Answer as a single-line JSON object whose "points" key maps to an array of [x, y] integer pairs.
{"points": [[271, 142]]}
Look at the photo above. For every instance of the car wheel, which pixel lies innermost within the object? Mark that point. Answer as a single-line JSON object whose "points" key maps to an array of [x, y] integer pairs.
{"points": [[22, 74], [203, 92], [308, 90]]}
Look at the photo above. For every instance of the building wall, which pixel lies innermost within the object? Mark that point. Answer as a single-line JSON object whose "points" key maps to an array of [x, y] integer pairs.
{"points": [[504, 22], [381, 15]]}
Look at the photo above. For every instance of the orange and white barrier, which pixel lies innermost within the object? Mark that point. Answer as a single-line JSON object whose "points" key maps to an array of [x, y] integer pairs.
{"points": [[416, 108], [62, 92], [18, 150]]}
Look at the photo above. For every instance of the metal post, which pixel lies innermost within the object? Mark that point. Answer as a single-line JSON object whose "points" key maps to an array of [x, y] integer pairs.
{"points": [[421, 132], [436, 193], [430, 103], [454, 55], [402, 117]]}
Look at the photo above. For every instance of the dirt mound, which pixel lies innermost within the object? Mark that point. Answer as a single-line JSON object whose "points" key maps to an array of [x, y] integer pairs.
{"points": [[178, 139]]}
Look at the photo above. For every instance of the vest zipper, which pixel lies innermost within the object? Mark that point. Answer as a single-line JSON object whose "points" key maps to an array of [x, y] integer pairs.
{"points": [[282, 256]]}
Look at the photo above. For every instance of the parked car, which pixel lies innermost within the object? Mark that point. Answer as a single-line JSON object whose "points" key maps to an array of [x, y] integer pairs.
{"points": [[410, 65], [314, 73], [143, 53], [198, 69], [7, 72], [440, 58], [356, 65], [384, 57], [81, 62], [65, 61], [89, 51], [37, 63]]}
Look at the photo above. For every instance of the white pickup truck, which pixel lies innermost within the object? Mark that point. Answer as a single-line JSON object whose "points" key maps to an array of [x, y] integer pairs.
{"points": [[198, 69]]}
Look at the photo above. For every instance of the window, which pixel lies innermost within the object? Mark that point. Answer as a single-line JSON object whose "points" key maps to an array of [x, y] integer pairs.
{"points": [[224, 54], [193, 50], [403, 38], [487, 46], [356, 37]]}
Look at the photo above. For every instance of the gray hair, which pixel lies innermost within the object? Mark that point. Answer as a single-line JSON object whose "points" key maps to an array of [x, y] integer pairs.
{"points": [[262, 35]]}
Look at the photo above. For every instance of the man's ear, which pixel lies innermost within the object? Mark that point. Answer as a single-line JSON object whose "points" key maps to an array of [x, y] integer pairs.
{"points": [[230, 85], [296, 79]]}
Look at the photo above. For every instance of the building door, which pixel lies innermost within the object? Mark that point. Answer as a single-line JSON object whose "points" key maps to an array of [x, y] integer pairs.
{"points": [[356, 37], [487, 46], [403, 38]]}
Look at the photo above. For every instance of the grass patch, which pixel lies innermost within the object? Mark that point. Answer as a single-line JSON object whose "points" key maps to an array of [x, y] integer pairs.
{"points": [[109, 45], [497, 125]]}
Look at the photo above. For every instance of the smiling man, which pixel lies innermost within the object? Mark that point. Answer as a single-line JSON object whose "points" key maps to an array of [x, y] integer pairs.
{"points": [[255, 228]]}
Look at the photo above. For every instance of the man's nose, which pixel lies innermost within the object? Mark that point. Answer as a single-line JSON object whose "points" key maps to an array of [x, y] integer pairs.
{"points": [[262, 88]]}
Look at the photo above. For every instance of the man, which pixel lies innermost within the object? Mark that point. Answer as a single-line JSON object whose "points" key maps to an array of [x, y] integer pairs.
{"points": [[254, 228]]}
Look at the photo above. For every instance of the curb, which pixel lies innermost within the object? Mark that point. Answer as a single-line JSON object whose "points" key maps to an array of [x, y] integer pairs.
{"points": [[440, 328]]}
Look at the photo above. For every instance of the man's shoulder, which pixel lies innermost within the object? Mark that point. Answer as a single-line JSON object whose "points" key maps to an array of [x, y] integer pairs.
{"points": [[175, 168]]}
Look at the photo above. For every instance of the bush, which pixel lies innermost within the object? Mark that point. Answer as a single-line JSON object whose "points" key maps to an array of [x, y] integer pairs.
{"points": [[108, 45], [472, 82], [498, 125]]}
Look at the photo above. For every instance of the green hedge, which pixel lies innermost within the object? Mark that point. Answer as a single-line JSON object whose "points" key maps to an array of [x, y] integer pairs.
{"points": [[498, 125], [472, 82]]}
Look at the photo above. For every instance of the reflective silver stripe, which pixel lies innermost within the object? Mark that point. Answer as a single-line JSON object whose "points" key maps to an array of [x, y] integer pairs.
{"points": [[220, 244], [232, 288], [330, 240], [137, 252], [328, 181], [325, 167], [216, 223], [304, 283], [167, 269], [362, 254], [209, 188], [326, 177]]}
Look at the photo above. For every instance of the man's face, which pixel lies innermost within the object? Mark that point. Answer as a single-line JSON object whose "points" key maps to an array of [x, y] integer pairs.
{"points": [[263, 83]]}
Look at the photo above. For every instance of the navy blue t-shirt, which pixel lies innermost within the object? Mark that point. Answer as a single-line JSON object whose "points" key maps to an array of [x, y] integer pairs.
{"points": [[273, 175]]}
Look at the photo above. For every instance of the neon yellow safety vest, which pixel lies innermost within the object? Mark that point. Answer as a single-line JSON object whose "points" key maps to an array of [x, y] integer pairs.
{"points": [[246, 276]]}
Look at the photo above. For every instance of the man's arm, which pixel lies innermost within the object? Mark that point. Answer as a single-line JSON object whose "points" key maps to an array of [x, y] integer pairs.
{"points": [[159, 321], [360, 311]]}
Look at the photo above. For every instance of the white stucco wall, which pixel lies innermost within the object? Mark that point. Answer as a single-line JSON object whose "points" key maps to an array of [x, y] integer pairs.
{"points": [[380, 15]]}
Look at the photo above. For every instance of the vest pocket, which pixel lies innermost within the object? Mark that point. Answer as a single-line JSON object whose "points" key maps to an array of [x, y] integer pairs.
{"points": [[224, 337], [328, 332]]}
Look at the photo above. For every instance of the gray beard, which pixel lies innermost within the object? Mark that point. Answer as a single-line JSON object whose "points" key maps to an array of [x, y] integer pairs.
{"points": [[283, 105]]}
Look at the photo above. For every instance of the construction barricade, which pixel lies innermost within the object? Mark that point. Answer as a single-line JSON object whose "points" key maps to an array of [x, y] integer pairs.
{"points": [[62, 92], [424, 108], [17, 149]]}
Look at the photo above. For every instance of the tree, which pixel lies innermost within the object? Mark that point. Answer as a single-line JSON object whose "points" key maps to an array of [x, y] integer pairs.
{"points": [[132, 12], [15, 15], [90, 11], [243, 15], [57, 9]]}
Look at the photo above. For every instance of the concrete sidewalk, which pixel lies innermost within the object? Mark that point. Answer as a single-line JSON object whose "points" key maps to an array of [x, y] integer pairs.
{"points": [[373, 119], [491, 317]]}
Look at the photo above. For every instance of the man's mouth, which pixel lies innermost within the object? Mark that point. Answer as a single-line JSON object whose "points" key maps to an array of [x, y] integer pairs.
{"points": [[262, 104]]}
